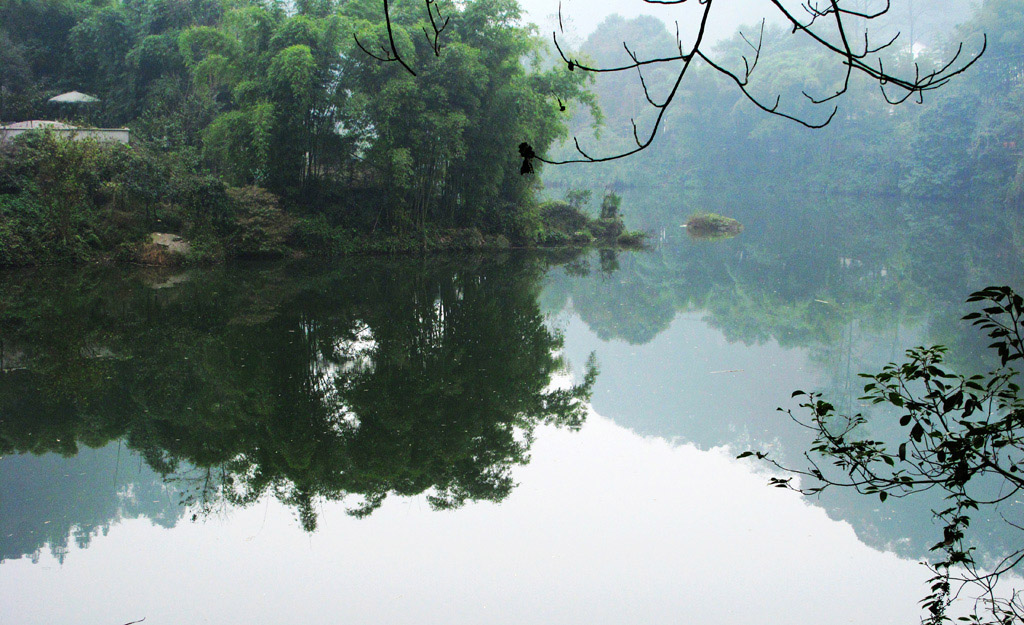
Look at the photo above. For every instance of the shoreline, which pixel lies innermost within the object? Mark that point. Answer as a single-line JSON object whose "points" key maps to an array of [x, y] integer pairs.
{"points": [[391, 246]]}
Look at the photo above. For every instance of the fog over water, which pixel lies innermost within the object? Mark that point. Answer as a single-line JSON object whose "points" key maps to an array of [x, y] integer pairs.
{"points": [[223, 490], [533, 431]]}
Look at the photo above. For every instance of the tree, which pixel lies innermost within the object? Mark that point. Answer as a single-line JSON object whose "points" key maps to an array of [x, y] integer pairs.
{"points": [[276, 80], [961, 434], [837, 27], [440, 139], [16, 77], [99, 47], [979, 151], [610, 204], [578, 198]]}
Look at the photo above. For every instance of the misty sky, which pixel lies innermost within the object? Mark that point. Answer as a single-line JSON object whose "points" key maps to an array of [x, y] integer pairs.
{"points": [[583, 16]]}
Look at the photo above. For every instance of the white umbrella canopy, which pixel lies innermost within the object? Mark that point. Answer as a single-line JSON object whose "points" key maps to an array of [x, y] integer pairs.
{"points": [[74, 97]]}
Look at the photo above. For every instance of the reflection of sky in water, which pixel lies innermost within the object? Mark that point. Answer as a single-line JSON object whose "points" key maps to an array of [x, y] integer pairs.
{"points": [[692, 384], [605, 527], [643, 516]]}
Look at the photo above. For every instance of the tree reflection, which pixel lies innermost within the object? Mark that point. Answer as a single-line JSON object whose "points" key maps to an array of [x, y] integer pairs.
{"points": [[376, 378], [814, 291], [802, 272]]}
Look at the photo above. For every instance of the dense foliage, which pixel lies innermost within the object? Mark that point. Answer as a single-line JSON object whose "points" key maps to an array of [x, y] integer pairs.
{"points": [[258, 93], [64, 201]]}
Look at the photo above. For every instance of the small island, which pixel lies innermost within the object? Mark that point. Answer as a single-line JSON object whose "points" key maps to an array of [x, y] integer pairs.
{"points": [[712, 226]]}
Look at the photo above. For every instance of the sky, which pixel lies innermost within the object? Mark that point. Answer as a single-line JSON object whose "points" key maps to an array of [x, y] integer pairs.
{"points": [[583, 16]]}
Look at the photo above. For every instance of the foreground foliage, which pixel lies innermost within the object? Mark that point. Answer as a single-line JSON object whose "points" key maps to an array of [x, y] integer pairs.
{"points": [[961, 434]]}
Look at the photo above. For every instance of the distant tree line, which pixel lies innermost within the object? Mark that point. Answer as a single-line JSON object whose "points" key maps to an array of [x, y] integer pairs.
{"points": [[964, 139]]}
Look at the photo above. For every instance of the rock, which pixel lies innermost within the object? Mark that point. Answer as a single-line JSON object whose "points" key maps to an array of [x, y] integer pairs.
{"points": [[172, 242], [163, 249]]}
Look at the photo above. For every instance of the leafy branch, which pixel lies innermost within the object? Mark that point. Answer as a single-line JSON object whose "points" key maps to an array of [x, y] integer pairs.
{"points": [[959, 433]]}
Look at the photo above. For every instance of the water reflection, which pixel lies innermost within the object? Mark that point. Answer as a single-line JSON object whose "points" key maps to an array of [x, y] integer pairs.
{"points": [[806, 298], [606, 527], [329, 390], [52, 503], [377, 378]]}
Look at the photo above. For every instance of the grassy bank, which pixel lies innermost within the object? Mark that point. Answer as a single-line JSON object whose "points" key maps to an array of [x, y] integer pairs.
{"points": [[82, 201]]}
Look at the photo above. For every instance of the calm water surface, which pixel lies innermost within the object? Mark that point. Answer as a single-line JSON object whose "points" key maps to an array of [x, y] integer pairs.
{"points": [[502, 439]]}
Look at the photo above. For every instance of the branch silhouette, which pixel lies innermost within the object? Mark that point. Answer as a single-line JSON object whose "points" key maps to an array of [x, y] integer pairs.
{"points": [[825, 22]]}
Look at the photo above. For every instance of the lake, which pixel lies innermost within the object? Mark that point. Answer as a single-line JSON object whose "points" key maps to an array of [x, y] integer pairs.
{"points": [[505, 438]]}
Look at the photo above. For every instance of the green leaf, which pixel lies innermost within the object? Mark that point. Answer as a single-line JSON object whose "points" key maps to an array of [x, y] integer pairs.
{"points": [[953, 401], [917, 432]]}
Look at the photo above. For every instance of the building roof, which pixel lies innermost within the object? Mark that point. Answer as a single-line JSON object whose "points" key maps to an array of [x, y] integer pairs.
{"points": [[75, 97]]}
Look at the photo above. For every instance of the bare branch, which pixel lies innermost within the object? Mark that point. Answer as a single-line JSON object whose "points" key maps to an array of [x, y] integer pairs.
{"points": [[825, 22], [435, 37], [391, 54], [643, 144], [895, 89]]}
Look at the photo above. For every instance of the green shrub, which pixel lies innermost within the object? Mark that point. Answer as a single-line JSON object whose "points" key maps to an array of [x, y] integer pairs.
{"points": [[554, 238], [315, 235], [497, 242], [260, 228], [712, 226], [64, 200], [578, 198], [205, 250], [606, 229], [464, 239], [563, 217], [58, 195], [582, 237], [521, 225], [204, 203], [632, 238]]}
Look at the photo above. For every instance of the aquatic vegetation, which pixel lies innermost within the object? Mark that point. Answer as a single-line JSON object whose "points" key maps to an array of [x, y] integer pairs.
{"points": [[566, 224]]}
